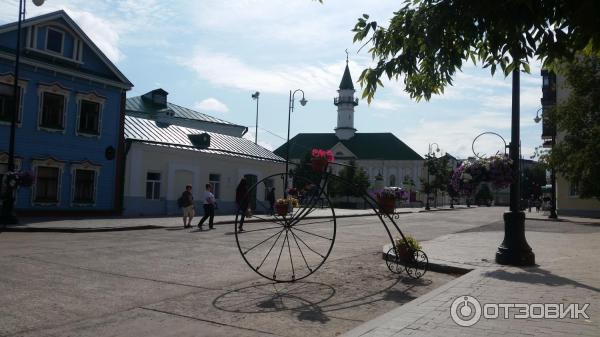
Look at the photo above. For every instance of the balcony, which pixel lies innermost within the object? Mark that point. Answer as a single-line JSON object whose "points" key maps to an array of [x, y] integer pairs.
{"points": [[345, 100]]}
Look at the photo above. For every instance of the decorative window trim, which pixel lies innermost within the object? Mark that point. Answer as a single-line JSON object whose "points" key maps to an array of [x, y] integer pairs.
{"points": [[57, 89], [89, 166], [9, 79], [92, 97], [4, 160], [160, 182], [62, 41], [49, 162], [217, 182]]}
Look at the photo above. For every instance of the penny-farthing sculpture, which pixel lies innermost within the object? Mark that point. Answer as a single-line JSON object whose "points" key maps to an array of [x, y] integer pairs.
{"points": [[286, 245]]}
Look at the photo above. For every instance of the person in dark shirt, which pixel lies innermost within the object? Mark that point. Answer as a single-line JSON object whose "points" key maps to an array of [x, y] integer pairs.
{"points": [[241, 199], [187, 205], [271, 199]]}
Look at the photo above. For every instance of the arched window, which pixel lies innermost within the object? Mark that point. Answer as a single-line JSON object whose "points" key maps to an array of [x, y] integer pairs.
{"points": [[392, 180]]}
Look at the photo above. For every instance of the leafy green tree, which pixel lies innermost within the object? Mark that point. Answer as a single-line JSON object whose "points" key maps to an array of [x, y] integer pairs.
{"points": [[483, 195], [427, 41], [534, 178], [353, 181], [304, 169], [576, 155]]}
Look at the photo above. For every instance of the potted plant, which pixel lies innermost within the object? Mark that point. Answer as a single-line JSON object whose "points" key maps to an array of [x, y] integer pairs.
{"points": [[282, 206], [405, 249], [386, 198], [320, 159]]}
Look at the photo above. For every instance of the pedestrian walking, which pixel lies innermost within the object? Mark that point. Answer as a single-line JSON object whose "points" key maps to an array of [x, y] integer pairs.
{"points": [[209, 207], [241, 199], [271, 200], [187, 205]]}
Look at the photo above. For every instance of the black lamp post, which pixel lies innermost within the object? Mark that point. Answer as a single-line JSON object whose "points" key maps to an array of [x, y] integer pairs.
{"points": [[255, 97], [514, 249], [553, 214], [8, 217], [429, 153], [303, 102]]}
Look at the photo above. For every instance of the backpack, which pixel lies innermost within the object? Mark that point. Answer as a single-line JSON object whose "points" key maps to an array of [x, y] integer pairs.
{"points": [[180, 202]]}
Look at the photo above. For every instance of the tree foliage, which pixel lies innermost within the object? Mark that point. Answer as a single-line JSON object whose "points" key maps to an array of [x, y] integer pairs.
{"points": [[427, 41], [534, 178], [576, 156], [354, 181]]}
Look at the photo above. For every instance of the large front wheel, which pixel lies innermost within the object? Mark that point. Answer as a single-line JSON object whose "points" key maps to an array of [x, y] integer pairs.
{"points": [[289, 245]]}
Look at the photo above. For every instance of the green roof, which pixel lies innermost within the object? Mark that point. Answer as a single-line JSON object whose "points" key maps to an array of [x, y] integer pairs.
{"points": [[384, 146], [346, 82]]}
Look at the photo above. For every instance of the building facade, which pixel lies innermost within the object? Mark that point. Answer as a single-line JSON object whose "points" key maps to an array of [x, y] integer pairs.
{"points": [[555, 90], [163, 156], [70, 120]]}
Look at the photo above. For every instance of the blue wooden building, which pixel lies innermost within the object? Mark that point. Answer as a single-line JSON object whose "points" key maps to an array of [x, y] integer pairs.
{"points": [[70, 121]]}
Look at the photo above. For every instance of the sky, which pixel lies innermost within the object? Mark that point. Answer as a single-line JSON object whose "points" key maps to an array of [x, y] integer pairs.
{"points": [[212, 55]]}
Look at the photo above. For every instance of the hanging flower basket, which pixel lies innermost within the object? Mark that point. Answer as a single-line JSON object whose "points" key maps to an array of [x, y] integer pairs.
{"points": [[319, 164], [320, 159], [387, 205], [282, 209], [500, 174], [19, 179]]}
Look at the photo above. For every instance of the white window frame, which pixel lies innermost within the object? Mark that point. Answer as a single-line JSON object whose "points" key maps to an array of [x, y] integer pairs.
{"points": [[572, 188], [9, 79], [214, 183], [91, 97], [4, 161], [153, 185], [50, 162], [62, 41], [87, 166], [56, 89]]}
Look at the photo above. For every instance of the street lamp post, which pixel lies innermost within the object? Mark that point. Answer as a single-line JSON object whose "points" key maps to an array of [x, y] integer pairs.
{"points": [[514, 249], [553, 214], [429, 153], [8, 216], [255, 97], [303, 102]]}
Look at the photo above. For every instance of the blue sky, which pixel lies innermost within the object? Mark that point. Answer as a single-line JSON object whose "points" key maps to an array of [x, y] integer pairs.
{"points": [[212, 55]]}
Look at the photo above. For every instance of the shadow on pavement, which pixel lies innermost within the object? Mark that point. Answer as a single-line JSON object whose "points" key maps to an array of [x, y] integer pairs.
{"points": [[311, 301], [536, 275]]}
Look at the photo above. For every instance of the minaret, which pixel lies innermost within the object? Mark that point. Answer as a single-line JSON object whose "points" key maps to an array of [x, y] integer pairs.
{"points": [[345, 103]]}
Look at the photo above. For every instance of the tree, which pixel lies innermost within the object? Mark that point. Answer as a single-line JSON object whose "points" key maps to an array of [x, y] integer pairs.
{"points": [[534, 178], [352, 183], [427, 41], [576, 155], [304, 169]]}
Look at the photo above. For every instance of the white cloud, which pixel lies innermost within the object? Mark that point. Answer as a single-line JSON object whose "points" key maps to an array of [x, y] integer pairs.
{"points": [[267, 145], [224, 70], [386, 104], [211, 104], [101, 32]]}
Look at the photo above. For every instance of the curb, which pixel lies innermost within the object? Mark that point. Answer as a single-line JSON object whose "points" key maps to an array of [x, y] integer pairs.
{"points": [[146, 227], [440, 267]]}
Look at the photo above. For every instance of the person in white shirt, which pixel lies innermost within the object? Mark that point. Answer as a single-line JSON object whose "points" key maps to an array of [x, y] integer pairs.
{"points": [[209, 207]]}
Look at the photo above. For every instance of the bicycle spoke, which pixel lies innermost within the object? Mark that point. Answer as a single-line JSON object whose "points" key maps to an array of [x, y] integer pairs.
{"points": [[301, 253], [269, 252], [267, 219], [260, 229], [279, 257], [298, 229], [312, 223], [307, 246], [263, 241], [290, 252]]}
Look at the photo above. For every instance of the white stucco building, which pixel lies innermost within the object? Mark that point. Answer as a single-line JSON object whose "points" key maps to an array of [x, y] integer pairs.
{"points": [[169, 146]]}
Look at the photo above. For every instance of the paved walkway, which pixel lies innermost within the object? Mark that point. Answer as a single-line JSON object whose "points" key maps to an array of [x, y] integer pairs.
{"points": [[567, 272], [139, 223]]}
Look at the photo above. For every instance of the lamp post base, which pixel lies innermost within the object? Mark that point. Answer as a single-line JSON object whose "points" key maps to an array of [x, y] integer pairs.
{"points": [[514, 249], [553, 215]]}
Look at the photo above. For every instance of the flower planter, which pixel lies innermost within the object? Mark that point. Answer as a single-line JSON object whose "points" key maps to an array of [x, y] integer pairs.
{"points": [[404, 254], [281, 209], [319, 164], [387, 205]]}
